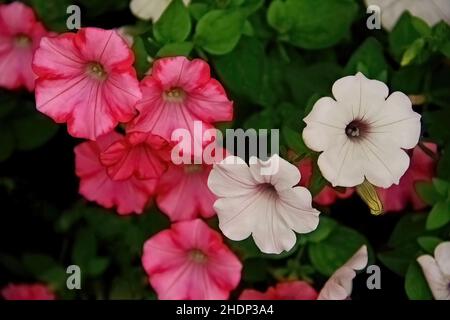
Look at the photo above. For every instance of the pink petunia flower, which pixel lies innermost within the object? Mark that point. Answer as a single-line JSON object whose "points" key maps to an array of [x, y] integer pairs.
{"points": [[20, 34], [422, 168], [27, 292], [190, 261], [138, 154], [178, 94], [327, 196], [130, 195], [292, 290], [86, 79]]}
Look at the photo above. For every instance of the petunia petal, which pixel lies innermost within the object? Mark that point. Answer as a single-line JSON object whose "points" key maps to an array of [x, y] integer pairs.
{"points": [[275, 171], [325, 122], [342, 164], [442, 256], [435, 278], [383, 163]]}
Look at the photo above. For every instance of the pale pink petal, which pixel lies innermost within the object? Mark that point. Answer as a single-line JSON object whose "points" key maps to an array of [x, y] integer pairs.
{"points": [[231, 177], [340, 284], [294, 206], [436, 279], [275, 171], [442, 256]]}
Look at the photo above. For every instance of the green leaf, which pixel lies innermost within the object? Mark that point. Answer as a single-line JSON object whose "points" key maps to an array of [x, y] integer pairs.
{"points": [[198, 10], [176, 49], [312, 24], [243, 70], [52, 13], [440, 38], [428, 193], [174, 24], [409, 79], [38, 264], [13, 265], [85, 248], [371, 55], [33, 130], [442, 187], [294, 140], [403, 35], [429, 243], [439, 215], [97, 266], [279, 17], [219, 31], [408, 228], [141, 62], [255, 270], [399, 258], [413, 51], [416, 285], [403, 247], [331, 253], [323, 231], [56, 277], [312, 81], [247, 249]]}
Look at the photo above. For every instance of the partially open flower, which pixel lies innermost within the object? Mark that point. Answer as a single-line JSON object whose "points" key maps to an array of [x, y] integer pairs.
{"points": [[437, 271], [361, 134], [262, 203], [340, 284]]}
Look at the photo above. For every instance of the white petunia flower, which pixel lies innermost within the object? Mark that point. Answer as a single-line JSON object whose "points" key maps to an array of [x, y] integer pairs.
{"points": [[340, 284], [150, 9], [431, 11], [437, 271], [362, 133], [261, 200]]}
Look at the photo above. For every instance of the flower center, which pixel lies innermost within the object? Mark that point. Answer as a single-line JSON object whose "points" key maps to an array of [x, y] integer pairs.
{"points": [[192, 168], [96, 71], [174, 95], [356, 129], [268, 187], [22, 41], [197, 256]]}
